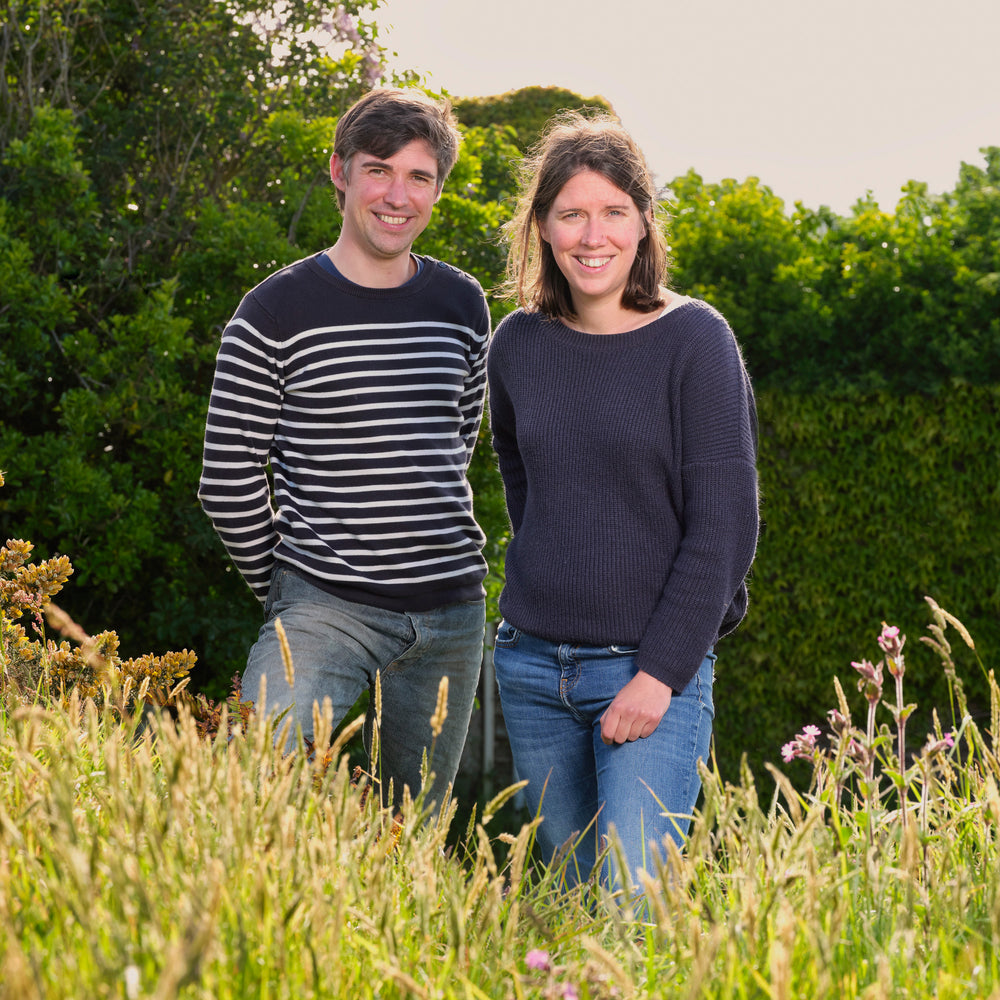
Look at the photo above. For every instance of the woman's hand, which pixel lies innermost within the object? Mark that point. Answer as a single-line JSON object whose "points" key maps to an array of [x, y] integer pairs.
{"points": [[636, 711]]}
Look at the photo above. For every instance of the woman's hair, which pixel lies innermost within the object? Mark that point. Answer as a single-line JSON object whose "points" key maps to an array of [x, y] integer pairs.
{"points": [[572, 143], [383, 121]]}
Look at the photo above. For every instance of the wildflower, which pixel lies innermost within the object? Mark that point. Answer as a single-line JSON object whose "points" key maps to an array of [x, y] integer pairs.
{"points": [[538, 959], [889, 634], [891, 643], [569, 992], [803, 746], [861, 754], [839, 723], [871, 679], [933, 747]]}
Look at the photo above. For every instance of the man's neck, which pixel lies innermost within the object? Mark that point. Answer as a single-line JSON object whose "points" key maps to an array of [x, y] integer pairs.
{"points": [[372, 273]]}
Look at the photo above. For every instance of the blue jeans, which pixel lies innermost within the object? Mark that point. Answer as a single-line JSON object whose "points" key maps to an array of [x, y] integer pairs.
{"points": [[553, 696], [337, 648]]}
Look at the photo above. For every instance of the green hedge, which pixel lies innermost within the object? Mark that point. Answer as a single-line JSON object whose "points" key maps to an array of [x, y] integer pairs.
{"points": [[869, 503]]}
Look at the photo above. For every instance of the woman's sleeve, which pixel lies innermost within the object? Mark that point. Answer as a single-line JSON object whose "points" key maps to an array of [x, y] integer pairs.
{"points": [[720, 517], [503, 427]]}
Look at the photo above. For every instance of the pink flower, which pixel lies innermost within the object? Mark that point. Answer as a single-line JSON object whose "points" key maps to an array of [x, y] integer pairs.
{"points": [[892, 645], [788, 752], [537, 959], [810, 734], [839, 723], [569, 992], [949, 739], [871, 679]]}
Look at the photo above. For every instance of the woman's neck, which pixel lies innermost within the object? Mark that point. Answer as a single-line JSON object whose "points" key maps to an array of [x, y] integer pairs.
{"points": [[603, 318]]}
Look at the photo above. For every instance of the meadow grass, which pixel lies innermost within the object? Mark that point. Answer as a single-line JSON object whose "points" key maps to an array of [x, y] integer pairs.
{"points": [[141, 857]]}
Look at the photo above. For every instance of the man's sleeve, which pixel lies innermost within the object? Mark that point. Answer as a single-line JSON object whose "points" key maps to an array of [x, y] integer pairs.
{"points": [[242, 413], [474, 394]]}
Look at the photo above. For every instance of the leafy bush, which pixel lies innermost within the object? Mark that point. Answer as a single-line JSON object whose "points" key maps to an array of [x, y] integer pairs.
{"points": [[869, 503]]}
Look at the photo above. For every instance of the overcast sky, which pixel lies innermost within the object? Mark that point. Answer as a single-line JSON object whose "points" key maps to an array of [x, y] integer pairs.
{"points": [[822, 101]]}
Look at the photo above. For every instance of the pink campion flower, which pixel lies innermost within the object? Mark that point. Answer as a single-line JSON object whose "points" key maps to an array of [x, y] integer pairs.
{"points": [[892, 645], [537, 959], [933, 747], [871, 679], [839, 723], [803, 746], [949, 739], [889, 634], [569, 992]]}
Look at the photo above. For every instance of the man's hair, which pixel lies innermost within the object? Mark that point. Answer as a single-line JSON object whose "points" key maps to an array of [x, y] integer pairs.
{"points": [[573, 143], [383, 121]]}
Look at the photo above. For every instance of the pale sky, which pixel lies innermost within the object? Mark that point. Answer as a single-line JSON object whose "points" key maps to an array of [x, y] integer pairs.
{"points": [[822, 101]]}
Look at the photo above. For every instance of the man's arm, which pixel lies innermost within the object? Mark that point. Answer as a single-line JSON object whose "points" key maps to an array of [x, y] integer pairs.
{"points": [[474, 393], [242, 413]]}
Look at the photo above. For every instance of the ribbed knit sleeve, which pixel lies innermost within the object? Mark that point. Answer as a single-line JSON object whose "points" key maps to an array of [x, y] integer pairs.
{"points": [[629, 467], [720, 506], [503, 426]]}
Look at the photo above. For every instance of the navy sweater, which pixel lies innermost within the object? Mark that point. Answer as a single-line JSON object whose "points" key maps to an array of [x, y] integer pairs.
{"points": [[629, 467], [364, 404]]}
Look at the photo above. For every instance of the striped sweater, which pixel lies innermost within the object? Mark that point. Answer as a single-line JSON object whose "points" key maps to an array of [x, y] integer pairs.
{"points": [[340, 428]]}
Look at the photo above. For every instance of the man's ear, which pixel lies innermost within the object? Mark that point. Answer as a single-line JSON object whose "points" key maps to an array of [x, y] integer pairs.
{"points": [[338, 172]]}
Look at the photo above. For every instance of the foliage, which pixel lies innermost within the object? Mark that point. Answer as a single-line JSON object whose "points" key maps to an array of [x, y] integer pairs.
{"points": [[61, 672], [157, 160], [868, 503], [129, 230], [875, 301], [159, 863], [524, 111]]}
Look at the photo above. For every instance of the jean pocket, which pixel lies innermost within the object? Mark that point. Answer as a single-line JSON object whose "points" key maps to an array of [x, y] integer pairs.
{"points": [[507, 635], [278, 574]]}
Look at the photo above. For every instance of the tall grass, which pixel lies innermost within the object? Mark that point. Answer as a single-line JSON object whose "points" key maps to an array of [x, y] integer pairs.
{"points": [[143, 854]]}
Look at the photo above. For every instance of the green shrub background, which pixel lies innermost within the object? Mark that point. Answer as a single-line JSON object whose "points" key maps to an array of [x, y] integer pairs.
{"points": [[157, 161], [870, 502]]}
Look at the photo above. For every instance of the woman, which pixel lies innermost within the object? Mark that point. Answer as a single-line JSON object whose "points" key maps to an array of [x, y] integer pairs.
{"points": [[624, 422]]}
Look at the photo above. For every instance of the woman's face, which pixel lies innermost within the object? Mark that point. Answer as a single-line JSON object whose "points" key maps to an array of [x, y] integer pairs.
{"points": [[594, 230]]}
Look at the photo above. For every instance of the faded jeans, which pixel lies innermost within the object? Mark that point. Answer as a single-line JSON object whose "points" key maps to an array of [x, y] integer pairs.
{"points": [[337, 648], [553, 696]]}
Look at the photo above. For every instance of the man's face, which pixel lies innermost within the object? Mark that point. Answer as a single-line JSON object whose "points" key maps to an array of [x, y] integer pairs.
{"points": [[387, 202]]}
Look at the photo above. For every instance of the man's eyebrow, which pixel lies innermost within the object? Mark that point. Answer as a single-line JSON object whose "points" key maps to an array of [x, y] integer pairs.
{"points": [[384, 164]]}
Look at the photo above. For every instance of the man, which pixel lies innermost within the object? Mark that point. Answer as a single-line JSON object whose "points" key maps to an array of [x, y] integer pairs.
{"points": [[358, 374]]}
